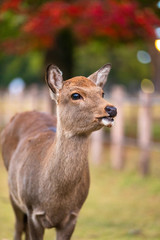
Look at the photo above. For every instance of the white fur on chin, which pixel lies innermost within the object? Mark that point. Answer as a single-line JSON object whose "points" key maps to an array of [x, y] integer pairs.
{"points": [[107, 122]]}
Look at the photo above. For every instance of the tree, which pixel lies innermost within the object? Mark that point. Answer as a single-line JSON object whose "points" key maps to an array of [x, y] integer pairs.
{"points": [[58, 26]]}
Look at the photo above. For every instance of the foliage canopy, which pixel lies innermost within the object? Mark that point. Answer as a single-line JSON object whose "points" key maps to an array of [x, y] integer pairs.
{"points": [[26, 25]]}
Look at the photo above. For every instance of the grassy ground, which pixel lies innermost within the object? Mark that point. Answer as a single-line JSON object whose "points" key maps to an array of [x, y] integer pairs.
{"points": [[120, 205]]}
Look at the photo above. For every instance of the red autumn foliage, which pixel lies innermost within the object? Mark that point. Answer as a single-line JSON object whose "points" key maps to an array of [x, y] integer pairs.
{"points": [[114, 20], [11, 5]]}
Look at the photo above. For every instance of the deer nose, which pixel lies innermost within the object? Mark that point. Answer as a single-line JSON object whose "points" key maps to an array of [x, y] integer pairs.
{"points": [[112, 111]]}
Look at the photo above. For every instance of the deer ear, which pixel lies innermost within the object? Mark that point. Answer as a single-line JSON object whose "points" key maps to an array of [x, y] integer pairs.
{"points": [[54, 80], [100, 76]]}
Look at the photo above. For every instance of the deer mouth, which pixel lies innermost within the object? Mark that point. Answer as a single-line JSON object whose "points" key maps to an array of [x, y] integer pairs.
{"points": [[106, 121]]}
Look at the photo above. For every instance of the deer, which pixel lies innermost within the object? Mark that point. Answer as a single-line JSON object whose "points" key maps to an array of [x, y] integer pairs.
{"points": [[47, 157]]}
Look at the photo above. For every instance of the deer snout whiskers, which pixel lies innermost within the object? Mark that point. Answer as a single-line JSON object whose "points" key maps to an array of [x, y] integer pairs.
{"points": [[111, 110], [107, 119]]}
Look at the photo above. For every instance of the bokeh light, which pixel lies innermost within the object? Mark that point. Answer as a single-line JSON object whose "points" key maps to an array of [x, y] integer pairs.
{"points": [[157, 31], [158, 4], [143, 57], [16, 86], [147, 86], [157, 44]]}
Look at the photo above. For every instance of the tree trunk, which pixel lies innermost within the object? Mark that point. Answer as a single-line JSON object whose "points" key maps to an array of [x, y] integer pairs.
{"points": [[155, 57], [61, 54]]}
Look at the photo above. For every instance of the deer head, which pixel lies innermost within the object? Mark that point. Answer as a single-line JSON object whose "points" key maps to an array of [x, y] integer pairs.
{"points": [[81, 107]]}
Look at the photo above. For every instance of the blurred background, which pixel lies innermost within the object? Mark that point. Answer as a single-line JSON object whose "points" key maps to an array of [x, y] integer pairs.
{"points": [[79, 37]]}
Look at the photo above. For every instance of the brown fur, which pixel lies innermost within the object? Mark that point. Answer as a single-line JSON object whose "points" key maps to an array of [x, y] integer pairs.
{"points": [[48, 171]]}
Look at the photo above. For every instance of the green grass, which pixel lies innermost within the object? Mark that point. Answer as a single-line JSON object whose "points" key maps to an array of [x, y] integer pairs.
{"points": [[120, 206]]}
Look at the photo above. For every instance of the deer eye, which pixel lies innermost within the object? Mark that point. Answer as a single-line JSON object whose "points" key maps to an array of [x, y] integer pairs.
{"points": [[103, 95], [76, 96]]}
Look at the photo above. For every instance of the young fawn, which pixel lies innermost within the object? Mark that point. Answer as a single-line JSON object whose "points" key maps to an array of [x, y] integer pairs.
{"points": [[48, 171]]}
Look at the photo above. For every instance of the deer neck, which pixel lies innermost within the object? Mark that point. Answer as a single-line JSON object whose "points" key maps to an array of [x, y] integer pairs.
{"points": [[69, 159], [71, 150]]}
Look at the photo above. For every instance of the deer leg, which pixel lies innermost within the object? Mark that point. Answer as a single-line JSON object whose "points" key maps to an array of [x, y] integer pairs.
{"points": [[27, 235], [64, 232], [36, 231], [21, 221], [26, 228]]}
